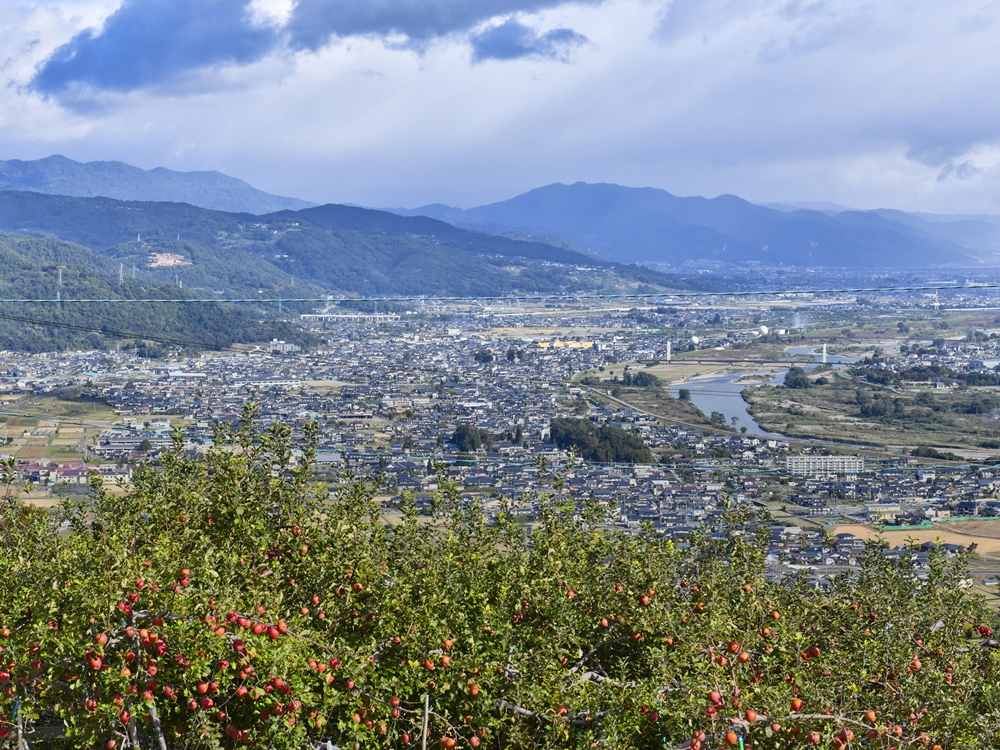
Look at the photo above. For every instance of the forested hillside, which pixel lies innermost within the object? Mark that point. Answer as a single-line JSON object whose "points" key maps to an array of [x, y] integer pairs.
{"points": [[29, 269], [335, 248], [603, 444]]}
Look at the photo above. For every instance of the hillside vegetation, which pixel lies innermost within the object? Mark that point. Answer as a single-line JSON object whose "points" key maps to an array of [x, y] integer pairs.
{"points": [[603, 444], [229, 603], [335, 248], [858, 406], [29, 269]]}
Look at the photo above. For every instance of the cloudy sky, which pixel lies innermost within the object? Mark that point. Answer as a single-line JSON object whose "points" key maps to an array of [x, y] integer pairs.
{"points": [[407, 102]]}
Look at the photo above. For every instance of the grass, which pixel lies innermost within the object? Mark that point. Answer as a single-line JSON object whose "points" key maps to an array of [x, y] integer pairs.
{"points": [[658, 403], [832, 412], [986, 528]]}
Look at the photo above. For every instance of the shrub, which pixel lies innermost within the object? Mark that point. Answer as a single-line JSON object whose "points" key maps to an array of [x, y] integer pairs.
{"points": [[232, 603], [796, 378]]}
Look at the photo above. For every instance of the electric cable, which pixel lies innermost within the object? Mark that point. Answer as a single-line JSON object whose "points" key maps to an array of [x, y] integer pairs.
{"points": [[112, 332], [522, 297]]}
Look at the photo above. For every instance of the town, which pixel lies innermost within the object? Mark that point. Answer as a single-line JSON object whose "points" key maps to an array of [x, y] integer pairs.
{"points": [[468, 396]]}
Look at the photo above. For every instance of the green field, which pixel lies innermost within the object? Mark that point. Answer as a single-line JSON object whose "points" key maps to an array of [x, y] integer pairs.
{"points": [[918, 416], [67, 425]]}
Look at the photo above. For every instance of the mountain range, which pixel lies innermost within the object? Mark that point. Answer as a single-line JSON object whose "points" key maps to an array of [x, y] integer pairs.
{"points": [[652, 226], [98, 222], [332, 248], [110, 248], [57, 175], [603, 221]]}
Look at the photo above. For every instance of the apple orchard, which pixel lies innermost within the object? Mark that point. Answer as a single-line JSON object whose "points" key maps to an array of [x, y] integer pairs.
{"points": [[232, 602]]}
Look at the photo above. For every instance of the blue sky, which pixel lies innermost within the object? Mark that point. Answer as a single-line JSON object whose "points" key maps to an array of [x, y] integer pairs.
{"points": [[406, 102]]}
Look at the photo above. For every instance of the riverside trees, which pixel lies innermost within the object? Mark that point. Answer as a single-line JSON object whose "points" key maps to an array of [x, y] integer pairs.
{"points": [[230, 602]]}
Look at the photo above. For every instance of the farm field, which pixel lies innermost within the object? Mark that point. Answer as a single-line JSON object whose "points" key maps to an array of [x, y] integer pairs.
{"points": [[988, 546], [986, 528], [38, 427]]}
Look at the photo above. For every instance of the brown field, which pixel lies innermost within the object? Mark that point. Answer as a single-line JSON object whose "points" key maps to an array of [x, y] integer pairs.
{"points": [[987, 545], [985, 528], [32, 451]]}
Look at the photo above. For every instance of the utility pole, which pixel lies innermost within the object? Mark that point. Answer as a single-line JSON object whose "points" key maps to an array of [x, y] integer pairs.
{"points": [[121, 274]]}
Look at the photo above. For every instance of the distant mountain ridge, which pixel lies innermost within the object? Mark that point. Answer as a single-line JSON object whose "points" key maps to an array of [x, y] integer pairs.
{"points": [[111, 249], [652, 226], [58, 175], [331, 248]]}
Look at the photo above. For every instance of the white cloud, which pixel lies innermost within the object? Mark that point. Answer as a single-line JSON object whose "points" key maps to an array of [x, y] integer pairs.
{"points": [[861, 103], [273, 13]]}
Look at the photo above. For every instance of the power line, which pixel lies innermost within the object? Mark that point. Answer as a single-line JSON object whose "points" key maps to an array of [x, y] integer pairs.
{"points": [[113, 332], [525, 297]]}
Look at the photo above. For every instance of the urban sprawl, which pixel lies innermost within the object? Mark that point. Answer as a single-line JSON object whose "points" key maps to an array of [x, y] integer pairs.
{"points": [[469, 393]]}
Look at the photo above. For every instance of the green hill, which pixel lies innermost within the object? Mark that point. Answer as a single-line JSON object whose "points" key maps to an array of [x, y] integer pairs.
{"points": [[341, 249], [603, 444], [168, 250], [29, 269]]}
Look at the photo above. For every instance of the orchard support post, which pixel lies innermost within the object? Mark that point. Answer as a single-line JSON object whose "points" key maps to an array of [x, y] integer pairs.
{"points": [[427, 711], [22, 742]]}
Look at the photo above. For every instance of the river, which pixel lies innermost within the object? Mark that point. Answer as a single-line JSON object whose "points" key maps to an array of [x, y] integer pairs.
{"points": [[723, 394]]}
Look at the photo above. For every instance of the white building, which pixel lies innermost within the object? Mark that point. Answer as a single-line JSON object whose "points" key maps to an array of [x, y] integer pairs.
{"points": [[825, 464]]}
